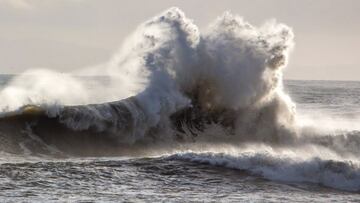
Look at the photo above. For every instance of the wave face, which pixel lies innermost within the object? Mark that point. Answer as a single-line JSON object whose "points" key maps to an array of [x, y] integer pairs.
{"points": [[213, 97]]}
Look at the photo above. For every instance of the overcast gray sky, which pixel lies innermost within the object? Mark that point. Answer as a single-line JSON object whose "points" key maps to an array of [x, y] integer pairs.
{"points": [[68, 34]]}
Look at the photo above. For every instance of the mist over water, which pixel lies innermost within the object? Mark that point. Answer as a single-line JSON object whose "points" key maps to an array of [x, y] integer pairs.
{"points": [[181, 94]]}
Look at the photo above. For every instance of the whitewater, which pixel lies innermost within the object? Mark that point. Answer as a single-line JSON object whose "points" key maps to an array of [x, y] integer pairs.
{"points": [[181, 114]]}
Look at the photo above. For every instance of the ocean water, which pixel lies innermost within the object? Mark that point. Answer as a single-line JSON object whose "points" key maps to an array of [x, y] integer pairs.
{"points": [[181, 115], [209, 175]]}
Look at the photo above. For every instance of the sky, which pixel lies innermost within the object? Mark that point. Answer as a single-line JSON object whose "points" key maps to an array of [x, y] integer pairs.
{"points": [[64, 35]]}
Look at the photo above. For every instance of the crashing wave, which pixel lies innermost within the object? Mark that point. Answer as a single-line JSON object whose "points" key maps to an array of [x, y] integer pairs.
{"points": [[230, 75]]}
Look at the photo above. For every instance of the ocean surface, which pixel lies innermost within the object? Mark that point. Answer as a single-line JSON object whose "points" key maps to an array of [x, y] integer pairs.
{"points": [[214, 174]]}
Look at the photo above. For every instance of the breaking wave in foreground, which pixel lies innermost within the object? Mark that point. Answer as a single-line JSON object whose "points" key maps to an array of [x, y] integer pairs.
{"points": [[214, 97]]}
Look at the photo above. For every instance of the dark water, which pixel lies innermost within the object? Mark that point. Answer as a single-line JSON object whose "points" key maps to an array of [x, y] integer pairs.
{"points": [[171, 177]]}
